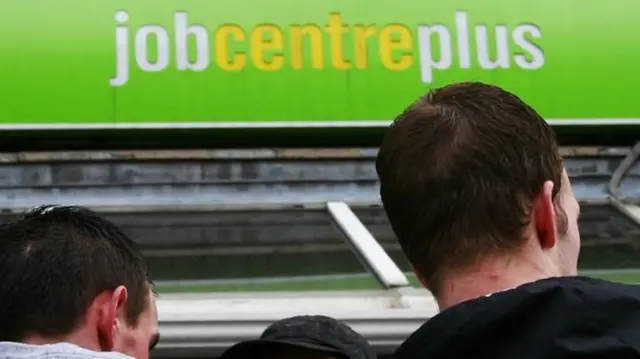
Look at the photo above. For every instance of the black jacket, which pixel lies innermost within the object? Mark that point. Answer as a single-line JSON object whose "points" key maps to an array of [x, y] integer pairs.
{"points": [[556, 318]]}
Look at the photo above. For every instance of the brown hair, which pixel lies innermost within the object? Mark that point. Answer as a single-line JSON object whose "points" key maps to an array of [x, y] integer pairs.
{"points": [[55, 261], [459, 169]]}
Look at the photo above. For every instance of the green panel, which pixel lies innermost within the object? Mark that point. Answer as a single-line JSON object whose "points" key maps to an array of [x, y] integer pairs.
{"points": [[622, 276], [342, 284], [631, 277], [284, 285], [307, 61]]}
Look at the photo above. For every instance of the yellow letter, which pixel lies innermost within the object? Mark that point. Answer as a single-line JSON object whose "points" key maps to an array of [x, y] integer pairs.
{"points": [[239, 59], [297, 46], [262, 46], [362, 34], [402, 42], [336, 30]]}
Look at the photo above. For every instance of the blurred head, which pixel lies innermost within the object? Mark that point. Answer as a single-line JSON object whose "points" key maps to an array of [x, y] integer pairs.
{"points": [[69, 275], [305, 336], [470, 175], [289, 352]]}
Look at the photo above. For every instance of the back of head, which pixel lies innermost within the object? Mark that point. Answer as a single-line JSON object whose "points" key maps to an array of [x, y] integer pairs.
{"points": [[305, 336], [459, 170], [54, 262]]}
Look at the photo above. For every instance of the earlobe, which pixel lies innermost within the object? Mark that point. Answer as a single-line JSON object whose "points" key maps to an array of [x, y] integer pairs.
{"points": [[108, 325], [545, 216]]}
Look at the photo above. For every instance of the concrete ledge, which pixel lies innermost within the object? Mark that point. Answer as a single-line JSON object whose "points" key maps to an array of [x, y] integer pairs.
{"points": [[235, 154], [206, 326]]}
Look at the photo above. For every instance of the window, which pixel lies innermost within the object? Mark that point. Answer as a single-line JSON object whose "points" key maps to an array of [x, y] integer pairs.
{"points": [[610, 244], [376, 221], [264, 250]]}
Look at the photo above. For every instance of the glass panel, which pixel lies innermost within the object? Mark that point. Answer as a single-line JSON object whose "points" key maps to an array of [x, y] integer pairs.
{"points": [[375, 219], [610, 242], [297, 250]]}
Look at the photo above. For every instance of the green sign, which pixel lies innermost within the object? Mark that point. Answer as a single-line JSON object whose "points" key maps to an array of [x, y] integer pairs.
{"points": [[197, 63]]}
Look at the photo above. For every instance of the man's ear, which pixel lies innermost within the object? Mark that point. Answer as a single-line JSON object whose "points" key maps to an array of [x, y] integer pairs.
{"points": [[544, 217], [113, 305]]}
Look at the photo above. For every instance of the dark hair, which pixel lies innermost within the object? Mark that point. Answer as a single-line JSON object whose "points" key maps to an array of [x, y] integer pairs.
{"points": [[54, 261], [459, 169]]}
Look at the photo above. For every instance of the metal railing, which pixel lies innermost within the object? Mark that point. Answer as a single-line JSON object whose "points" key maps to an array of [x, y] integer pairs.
{"points": [[627, 207], [385, 269]]}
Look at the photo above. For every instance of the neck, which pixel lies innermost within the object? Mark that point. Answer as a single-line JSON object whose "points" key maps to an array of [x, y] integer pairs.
{"points": [[79, 338], [487, 277]]}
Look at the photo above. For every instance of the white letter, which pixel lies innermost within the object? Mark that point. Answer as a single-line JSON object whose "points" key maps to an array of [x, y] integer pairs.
{"points": [[182, 39], [427, 62], [535, 52], [142, 58], [122, 51], [462, 31], [502, 47]]}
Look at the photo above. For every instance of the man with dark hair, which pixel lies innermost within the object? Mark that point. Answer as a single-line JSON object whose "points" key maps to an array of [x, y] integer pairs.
{"points": [[477, 195], [73, 285], [304, 337]]}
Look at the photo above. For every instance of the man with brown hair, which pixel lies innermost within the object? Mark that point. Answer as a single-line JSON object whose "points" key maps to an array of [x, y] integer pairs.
{"points": [[73, 285], [476, 192]]}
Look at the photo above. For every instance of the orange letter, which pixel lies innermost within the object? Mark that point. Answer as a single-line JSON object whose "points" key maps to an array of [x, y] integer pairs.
{"points": [[239, 59], [402, 43], [267, 40], [336, 30]]}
